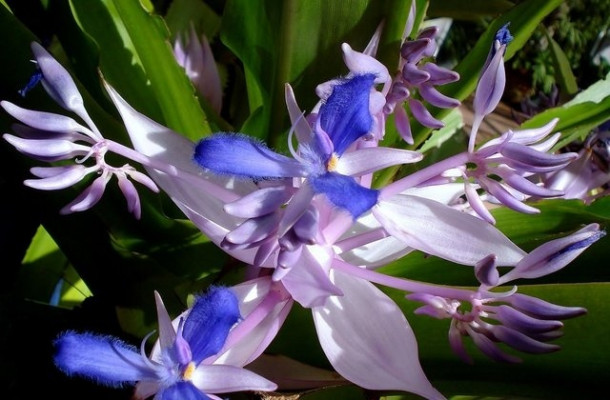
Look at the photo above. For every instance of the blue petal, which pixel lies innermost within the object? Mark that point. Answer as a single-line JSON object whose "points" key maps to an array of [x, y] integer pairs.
{"points": [[503, 35], [345, 116], [242, 156], [182, 391], [208, 324], [344, 192], [104, 359]]}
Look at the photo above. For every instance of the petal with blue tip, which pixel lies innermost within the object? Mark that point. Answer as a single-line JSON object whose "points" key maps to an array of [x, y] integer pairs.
{"points": [[242, 156], [208, 324], [345, 116], [104, 359], [344, 192]]}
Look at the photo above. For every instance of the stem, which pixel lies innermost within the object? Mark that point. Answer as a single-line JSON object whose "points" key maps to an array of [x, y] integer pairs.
{"points": [[423, 175], [361, 239], [196, 180], [402, 284]]}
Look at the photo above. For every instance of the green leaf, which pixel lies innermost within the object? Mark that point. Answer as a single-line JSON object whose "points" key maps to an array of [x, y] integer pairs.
{"points": [[298, 41], [563, 71], [579, 116], [476, 9], [182, 14], [136, 58]]}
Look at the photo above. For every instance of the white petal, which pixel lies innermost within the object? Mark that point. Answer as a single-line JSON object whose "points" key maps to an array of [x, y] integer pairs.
{"points": [[368, 340], [308, 282], [250, 295], [226, 379], [439, 230], [368, 160]]}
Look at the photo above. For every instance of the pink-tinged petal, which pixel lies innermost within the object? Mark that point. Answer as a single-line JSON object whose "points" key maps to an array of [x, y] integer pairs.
{"points": [[167, 333], [486, 271], [145, 389], [555, 254], [227, 378], [46, 150], [308, 282], [491, 86], [413, 75], [43, 120], [412, 50], [259, 202], [88, 198], [403, 126], [269, 314], [456, 343], [506, 197], [60, 86], [529, 136], [436, 98], [423, 116], [439, 230], [476, 203], [295, 209], [360, 63], [371, 159], [290, 374], [367, 244], [141, 178], [368, 340], [210, 85], [54, 178], [131, 195], [440, 75], [373, 44], [301, 127], [216, 224]]}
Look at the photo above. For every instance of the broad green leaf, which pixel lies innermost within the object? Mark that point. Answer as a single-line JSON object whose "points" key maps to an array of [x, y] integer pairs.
{"points": [[298, 42], [136, 58], [476, 9], [563, 70]]}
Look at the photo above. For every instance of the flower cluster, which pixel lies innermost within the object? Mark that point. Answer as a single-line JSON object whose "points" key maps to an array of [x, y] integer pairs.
{"points": [[313, 229]]}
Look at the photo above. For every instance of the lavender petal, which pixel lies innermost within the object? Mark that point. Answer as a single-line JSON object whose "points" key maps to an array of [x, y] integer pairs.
{"points": [[54, 178], [436, 98], [423, 116], [88, 198]]}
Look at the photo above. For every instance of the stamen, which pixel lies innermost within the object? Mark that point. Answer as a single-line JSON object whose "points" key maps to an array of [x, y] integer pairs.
{"points": [[187, 375], [147, 360], [332, 163], [294, 153]]}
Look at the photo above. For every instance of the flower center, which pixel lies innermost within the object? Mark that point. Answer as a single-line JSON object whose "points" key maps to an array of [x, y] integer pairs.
{"points": [[331, 165], [187, 375]]}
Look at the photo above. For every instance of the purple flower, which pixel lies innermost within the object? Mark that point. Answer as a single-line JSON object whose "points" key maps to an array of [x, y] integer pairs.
{"points": [[53, 137], [342, 120], [195, 56], [523, 322], [178, 371], [491, 82]]}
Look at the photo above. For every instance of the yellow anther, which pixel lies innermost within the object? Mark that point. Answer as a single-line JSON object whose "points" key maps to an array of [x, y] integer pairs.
{"points": [[331, 165], [187, 375]]}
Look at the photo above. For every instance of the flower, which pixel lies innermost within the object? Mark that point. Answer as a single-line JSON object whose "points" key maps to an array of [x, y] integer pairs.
{"points": [[195, 56], [54, 137], [178, 370], [523, 322]]}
